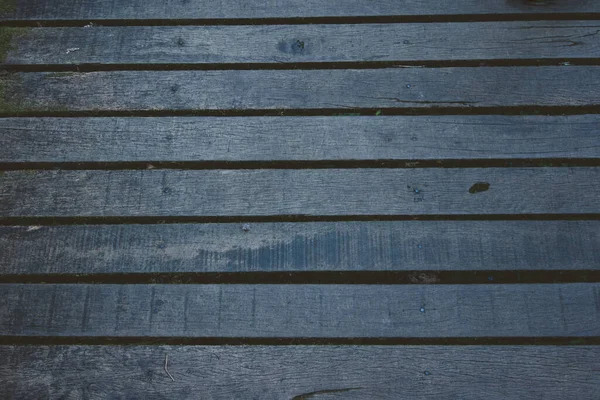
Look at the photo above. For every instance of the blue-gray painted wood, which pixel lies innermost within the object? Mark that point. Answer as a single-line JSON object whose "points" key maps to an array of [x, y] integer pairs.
{"points": [[227, 9], [272, 44], [310, 311], [300, 372], [310, 246], [42, 193], [298, 138], [302, 89]]}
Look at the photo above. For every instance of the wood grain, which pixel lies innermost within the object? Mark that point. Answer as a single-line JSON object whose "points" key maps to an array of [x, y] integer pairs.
{"points": [[302, 89], [300, 192], [311, 246], [288, 310], [298, 138], [227, 9], [272, 44], [301, 372]]}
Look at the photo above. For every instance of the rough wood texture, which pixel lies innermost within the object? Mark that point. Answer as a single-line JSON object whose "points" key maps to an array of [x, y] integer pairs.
{"points": [[301, 372], [224, 9], [306, 192], [298, 138], [328, 246], [302, 89], [306, 43], [516, 310]]}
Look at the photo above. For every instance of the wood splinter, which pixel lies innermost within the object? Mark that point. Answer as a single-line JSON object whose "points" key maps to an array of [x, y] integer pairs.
{"points": [[166, 367]]}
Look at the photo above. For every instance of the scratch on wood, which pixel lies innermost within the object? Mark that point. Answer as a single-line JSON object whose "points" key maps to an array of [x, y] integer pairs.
{"points": [[51, 309], [220, 308], [86, 310], [186, 301], [253, 306], [306, 396], [563, 310]]}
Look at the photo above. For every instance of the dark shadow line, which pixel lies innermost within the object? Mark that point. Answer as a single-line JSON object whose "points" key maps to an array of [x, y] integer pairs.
{"points": [[95, 67], [300, 341], [166, 219], [428, 277], [365, 19], [341, 112], [304, 164]]}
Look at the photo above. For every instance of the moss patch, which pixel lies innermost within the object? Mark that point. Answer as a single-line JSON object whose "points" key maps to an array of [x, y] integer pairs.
{"points": [[346, 115], [5, 105], [18, 97], [9, 103], [8, 6], [61, 74], [7, 35]]}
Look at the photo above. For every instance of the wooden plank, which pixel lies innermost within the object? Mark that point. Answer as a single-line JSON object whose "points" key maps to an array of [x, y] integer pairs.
{"points": [[313, 246], [298, 138], [301, 89], [300, 372], [288, 310], [300, 192], [227, 9], [273, 44]]}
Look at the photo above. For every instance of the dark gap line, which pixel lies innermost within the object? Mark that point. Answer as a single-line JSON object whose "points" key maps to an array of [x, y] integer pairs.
{"points": [[348, 112], [301, 164], [153, 220], [436, 277], [245, 341], [94, 67], [373, 19]]}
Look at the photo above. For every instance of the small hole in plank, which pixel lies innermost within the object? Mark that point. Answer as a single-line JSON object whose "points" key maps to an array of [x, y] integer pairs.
{"points": [[479, 187]]}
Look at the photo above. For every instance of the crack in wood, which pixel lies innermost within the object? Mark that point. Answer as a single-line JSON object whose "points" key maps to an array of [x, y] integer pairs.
{"points": [[398, 100], [310, 395]]}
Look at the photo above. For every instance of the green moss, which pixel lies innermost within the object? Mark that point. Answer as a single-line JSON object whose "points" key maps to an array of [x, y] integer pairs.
{"points": [[14, 97], [60, 74], [7, 36], [8, 105], [8, 6], [577, 342]]}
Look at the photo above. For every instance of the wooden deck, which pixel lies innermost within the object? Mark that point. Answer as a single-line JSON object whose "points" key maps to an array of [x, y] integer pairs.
{"points": [[344, 199]]}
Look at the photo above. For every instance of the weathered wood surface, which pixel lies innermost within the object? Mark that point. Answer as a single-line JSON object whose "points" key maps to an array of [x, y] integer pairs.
{"points": [[311, 246], [227, 9], [302, 89], [304, 43], [288, 310], [298, 138], [300, 192], [301, 372]]}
